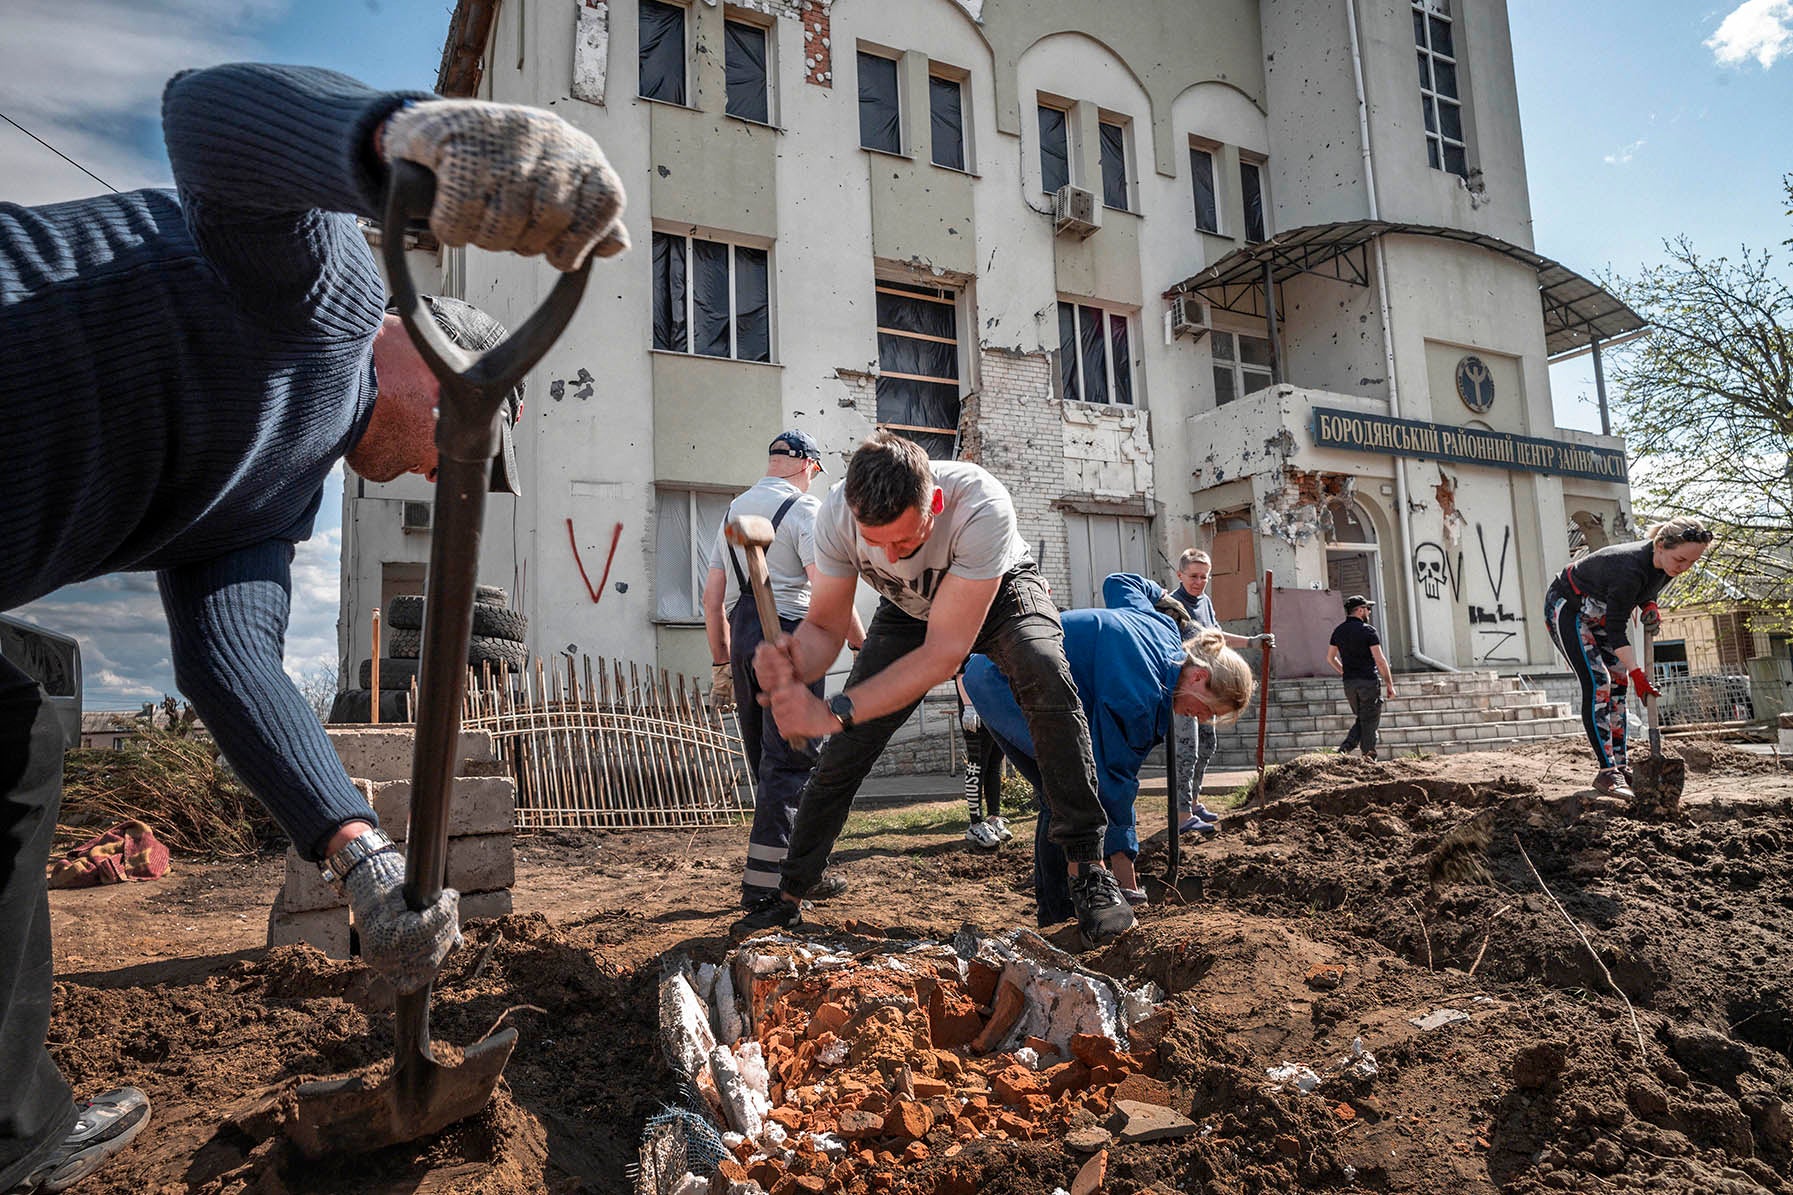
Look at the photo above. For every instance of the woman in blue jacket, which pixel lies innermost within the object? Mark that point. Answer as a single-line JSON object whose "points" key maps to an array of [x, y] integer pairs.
{"points": [[1132, 668]]}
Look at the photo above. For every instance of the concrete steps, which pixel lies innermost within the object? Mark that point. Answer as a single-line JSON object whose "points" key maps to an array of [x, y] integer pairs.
{"points": [[1439, 713]]}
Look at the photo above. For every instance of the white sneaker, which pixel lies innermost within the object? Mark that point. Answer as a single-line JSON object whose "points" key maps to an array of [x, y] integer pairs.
{"points": [[1001, 826], [983, 836]]}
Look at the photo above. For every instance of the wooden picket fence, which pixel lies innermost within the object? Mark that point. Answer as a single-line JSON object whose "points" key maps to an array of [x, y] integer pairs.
{"points": [[606, 743]]}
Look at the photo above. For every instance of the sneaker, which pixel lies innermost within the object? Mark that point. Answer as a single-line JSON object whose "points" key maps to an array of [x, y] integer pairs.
{"points": [[1102, 912], [1370, 755], [106, 1124], [983, 836], [1135, 897], [1193, 824], [774, 912], [1609, 783], [1203, 812], [831, 885], [1001, 826]]}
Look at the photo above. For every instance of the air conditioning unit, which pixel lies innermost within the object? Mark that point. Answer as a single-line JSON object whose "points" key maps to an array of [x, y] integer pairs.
{"points": [[1189, 317], [1075, 210], [416, 516]]}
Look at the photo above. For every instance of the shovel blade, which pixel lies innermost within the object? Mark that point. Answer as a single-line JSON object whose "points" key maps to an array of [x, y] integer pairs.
{"points": [[1657, 782], [416, 1099]]}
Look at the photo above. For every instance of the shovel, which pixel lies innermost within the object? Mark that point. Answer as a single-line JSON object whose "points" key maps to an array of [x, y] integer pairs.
{"points": [[423, 1094], [1658, 779]]}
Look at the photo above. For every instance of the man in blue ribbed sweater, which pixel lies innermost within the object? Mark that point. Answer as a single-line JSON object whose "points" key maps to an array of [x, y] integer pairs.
{"points": [[179, 373]]}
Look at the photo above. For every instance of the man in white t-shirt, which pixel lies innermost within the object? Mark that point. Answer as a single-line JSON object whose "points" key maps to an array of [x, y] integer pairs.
{"points": [[792, 462], [938, 540]]}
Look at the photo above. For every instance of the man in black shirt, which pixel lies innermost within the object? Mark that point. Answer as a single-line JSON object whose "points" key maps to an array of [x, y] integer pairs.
{"points": [[1356, 655]]}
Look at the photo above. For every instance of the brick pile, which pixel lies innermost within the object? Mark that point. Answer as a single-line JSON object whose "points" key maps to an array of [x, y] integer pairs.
{"points": [[887, 1060], [481, 862]]}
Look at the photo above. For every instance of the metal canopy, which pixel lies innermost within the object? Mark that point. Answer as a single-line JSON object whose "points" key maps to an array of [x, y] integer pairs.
{"points": [[1577, 311]]}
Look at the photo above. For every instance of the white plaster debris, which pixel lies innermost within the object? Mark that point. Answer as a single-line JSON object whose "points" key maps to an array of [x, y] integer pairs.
{"points": [[591, 50], [1028, 1057], [1061, 1004], [829, 1143], [706, 980], [835, 1053], [1293, 1074], [1438, 1018], [773, 1134], [690, 1184], [1361, 1064], [728, 1013], [685, 1024], [1141, 1003], [739, 1104]]}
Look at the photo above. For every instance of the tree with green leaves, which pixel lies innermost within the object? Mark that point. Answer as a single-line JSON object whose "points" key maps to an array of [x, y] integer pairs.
{"points": [[1705, 402]]}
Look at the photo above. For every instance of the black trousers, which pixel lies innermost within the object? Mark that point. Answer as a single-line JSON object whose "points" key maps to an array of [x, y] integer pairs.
{"points": [[1365, 698], [1023, 636], [779, 769], [37, 1110]]}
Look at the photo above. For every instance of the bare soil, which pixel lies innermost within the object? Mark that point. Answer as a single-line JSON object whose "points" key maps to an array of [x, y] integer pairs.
{"points": [[1343, 901]]}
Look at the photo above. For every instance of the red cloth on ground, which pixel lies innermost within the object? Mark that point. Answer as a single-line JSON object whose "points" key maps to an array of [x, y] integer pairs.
{"points": [[128, 851]]}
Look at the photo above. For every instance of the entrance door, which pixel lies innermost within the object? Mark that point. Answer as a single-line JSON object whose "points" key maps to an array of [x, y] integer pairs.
{"points": [[1353, 558]]}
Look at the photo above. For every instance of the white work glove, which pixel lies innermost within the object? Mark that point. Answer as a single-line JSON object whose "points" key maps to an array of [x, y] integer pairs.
{"points": [[722, 685], [969, 722], [511, 178], [406, 947], [1264, 640]]}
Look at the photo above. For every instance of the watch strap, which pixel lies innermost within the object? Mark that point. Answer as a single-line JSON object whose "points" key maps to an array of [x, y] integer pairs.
{"points": [[338, 865]]}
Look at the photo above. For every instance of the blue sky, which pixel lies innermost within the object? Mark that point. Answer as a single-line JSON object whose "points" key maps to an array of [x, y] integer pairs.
{"points": [[1643, 120]]}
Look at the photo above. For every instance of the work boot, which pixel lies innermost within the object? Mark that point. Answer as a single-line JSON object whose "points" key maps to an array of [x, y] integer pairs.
{"points": [[831, 885], [773, 912], [105, 1124], [1610, 783], [1102, 912], [983, 836]]}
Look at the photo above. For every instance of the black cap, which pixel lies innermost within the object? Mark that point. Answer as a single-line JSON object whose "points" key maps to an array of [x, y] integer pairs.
{"points": [[472, 329], [796, 443], [1357, 600]]}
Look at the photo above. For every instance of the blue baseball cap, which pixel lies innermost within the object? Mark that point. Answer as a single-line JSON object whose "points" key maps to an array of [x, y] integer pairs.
{"points": [[799, 444]]}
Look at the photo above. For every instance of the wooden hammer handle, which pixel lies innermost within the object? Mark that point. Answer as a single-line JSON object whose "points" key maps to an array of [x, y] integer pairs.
{"points": [[770, 628]]}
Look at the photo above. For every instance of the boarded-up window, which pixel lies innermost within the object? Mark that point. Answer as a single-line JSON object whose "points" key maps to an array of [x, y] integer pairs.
{"points": [[1235, 566], [946, 118], [918, 365], [1114, 164], [1201, 174], [1095, 354], [1251, 189], [711, 298], [748, 97], [1100, 545], [880, 112], [662, 51], [1055, 150]]}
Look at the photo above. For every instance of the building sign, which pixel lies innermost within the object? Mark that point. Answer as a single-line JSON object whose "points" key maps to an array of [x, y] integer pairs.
{"points": [[1475, 384], [1359, 432]]}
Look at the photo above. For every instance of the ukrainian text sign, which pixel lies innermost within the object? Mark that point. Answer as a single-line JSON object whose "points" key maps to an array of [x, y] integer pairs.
{"points": [[1355, 430]]}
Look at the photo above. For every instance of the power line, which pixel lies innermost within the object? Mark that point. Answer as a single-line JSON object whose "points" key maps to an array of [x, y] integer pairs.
{"points": [[84, 170]]}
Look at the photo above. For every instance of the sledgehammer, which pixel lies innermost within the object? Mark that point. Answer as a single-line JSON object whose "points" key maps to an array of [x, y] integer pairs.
{"points": [[753, 535]]}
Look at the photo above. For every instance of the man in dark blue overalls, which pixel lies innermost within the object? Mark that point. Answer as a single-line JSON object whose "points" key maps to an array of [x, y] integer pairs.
{"points": [[793, 460]]}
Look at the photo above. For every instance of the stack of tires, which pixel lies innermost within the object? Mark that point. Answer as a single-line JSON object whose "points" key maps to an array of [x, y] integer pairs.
{"points": [[498, 643]]}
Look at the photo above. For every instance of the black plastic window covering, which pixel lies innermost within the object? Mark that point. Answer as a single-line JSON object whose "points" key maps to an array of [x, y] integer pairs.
{"points": [[746, 71], [1095, 354], [1055, 154], [1251, 187], [709, 299], [662, 51], [1114, 165], [946, 118], [880, 117], [1067, 351], [1121, 353], [753, 325], [669, 293], [930, 396], [1201, 170], [1226, 387]]}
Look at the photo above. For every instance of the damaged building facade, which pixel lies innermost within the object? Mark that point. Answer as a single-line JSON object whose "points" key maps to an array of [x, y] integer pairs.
{"points": [[1225, 275]]}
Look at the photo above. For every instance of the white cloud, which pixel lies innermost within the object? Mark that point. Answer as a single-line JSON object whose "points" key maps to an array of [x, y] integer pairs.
{"points": [[1758, 29], [87, 77], [1624, 153]]}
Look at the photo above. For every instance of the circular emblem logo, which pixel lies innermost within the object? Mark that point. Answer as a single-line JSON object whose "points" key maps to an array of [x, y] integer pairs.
{"points": [[1475, 384]]}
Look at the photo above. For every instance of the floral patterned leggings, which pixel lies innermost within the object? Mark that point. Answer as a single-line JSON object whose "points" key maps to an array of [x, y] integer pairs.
{"points": [[1578, 626]]}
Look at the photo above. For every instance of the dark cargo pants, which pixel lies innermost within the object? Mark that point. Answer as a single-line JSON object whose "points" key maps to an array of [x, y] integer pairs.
{"points": [[36, 1108], [1022, 634], [778, 768]]}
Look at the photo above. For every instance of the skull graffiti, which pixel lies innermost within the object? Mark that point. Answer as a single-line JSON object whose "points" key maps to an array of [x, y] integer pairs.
{"points": [[1429, 569]]}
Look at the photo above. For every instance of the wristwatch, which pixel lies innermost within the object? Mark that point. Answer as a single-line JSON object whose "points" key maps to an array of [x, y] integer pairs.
{"points": [[366, 845], [841, 706]]}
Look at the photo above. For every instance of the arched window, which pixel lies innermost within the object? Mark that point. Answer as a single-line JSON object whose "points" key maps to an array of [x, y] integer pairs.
{"points": [[1350, 525]]}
